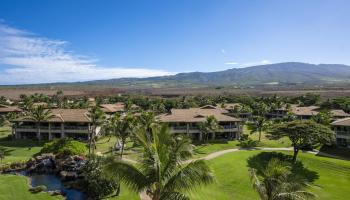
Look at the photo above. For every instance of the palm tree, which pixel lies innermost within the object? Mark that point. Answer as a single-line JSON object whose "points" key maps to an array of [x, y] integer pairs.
{"points": [[162, 172], [97, 118], [276, 183], [39, 114], [125, 128], [147, 120], [111, 125], [210, 125], [259, 125]]}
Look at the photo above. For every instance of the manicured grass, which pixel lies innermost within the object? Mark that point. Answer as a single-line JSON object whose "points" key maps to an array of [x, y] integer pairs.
{"points": [[104, 145], [5, 131], [16, 187], [205, 149], [17, 150], [125, 194], [232, 177]]}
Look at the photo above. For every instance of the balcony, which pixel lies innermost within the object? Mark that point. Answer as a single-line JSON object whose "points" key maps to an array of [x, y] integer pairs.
{"points": [[54, 129], [343, 134]]}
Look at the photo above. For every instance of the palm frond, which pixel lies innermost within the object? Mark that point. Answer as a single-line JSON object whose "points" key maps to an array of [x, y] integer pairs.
{"points": [[127, 173], [173, 196], [191, 175]]}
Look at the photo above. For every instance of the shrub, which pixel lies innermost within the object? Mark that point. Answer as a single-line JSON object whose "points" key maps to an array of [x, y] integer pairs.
{"points": [[244, 137], [249, 143], [96, 184], [37, 189], [65, 146]]}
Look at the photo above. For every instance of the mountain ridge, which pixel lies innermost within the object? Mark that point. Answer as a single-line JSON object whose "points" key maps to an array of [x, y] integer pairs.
{"points": [[281, 73], [269, 74]]}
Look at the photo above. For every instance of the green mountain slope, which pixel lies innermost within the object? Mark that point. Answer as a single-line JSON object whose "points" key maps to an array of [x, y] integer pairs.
{"points": [[281, 73]]}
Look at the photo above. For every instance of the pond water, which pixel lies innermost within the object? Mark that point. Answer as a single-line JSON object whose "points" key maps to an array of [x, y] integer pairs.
{"points": [[53, 183]]}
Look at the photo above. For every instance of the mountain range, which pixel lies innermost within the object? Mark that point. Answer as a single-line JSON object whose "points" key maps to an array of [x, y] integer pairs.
{"points": [[288, 73], [279, 74]]}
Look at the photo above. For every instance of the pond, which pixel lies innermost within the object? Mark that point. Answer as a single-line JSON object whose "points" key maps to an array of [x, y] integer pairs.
{"points": [[53, 183]]}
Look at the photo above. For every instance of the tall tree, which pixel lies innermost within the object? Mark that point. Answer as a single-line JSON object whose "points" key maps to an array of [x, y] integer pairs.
{"points": [[147, 120], [209, 126], [259, 122], [39, 114], [323, 117], [162, 172], [258, 125], [303, 133], [276, 183], [125, 128], [97, 118]]}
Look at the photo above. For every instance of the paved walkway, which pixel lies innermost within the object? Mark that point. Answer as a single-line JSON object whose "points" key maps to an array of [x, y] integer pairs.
{"points": [[144, 196]]}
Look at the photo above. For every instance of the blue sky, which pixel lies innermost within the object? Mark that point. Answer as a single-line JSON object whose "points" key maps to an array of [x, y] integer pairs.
{"points": [[50, 41]]}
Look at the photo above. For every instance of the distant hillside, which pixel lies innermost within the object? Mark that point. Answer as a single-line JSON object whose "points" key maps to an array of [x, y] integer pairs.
{"points": [[281, 73], [289, 73]]}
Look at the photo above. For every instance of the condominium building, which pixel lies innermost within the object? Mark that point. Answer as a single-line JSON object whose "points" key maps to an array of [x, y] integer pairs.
{"points": [[187, 121], [73, 123], [342, 129]]}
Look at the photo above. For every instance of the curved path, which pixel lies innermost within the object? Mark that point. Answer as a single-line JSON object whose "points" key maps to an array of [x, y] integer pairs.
{"points": [[144, 196]]}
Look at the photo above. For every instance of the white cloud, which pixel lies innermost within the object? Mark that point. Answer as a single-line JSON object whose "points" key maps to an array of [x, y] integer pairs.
{"points": [[29, 58], [248, 64], [231, 63]]}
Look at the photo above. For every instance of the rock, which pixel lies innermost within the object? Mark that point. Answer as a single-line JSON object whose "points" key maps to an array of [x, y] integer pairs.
{"points": [[66, 176], [57, 192]]}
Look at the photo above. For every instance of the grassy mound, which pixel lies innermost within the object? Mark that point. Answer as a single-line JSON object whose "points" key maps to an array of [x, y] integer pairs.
{"points": [[65, 146]]}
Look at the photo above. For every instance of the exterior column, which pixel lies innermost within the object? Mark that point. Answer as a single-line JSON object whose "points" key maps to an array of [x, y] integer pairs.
{"points": [[62, 130], [213, 136], [50, 135], [14, 132], [200, 136], [188, 129], [231, 134], [238, 130]]}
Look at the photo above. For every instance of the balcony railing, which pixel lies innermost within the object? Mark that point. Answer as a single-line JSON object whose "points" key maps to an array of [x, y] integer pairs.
{"points": [[76, 128], [27, 127], [345, 133], [54, 127], [179, 127], [228, 126]]}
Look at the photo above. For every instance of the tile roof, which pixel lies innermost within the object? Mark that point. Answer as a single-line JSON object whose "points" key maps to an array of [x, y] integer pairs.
{"points": [[65, 115], [113, 108], [229, 106], [339, 113], [196, 115], [305, 111], [314, 110], [342, 122], [7, 109]]}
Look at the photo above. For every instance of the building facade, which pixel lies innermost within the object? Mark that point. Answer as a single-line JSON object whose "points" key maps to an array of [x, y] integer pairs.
{"points": [[341, 128], [73, 123], [187, 121]]}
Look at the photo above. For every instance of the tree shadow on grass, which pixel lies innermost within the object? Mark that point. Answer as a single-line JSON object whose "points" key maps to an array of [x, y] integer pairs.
{"points": [[9, 142], [260, 161]]}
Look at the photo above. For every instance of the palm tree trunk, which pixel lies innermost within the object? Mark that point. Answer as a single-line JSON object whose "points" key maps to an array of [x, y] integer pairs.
{"points": [[122, 150], [295, 153], [90, 142], [39, 134]]}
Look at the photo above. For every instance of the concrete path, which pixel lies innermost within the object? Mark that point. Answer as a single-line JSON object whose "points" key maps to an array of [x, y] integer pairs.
{"points": [[144, 196]]}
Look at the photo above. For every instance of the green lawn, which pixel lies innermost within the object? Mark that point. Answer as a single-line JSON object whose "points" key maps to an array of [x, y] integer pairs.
{"points": [[205, 149], [14, 187], [17, 150], [104, 146], [232, 178], [125, 194]]}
